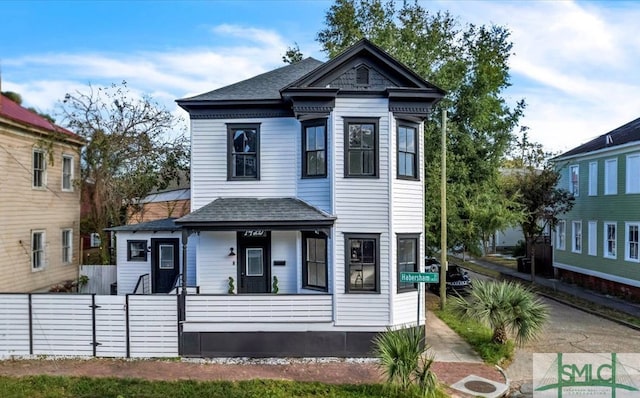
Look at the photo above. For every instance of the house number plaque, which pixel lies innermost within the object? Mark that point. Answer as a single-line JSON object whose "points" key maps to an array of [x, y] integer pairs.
{"points": [[254, 234]]}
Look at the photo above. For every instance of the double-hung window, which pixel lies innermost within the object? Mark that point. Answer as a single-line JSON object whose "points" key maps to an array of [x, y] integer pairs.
{"points": [[407, 259], [592, 249], [362, 263], [39, 169], [243, 151], [593, 178], [631, 241], [610, 236], [561, 230], [361, 147], [67, 246], [37, 250], [574, 180], [633, 174], [67, 173], [136, 250], [407, 151], [314, 149], [314, 264], [611, 177], [576, 233]]}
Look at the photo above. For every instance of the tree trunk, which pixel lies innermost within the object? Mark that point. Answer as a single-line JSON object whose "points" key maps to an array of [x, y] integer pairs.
{"points": [[499, 335], [533, 261]]}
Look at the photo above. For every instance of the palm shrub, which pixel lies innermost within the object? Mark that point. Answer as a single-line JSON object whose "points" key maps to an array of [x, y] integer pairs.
{"points": [[506, 307], [402, 358]]}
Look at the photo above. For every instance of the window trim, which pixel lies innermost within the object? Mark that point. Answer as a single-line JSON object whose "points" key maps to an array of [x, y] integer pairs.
{"points": [[592, 239], [137, 258], [305, 265], [71, 174], [561, 235], [353, 236], [68, 259], [416, 160], [575, 191], [607, 179], [416, 238], [627, 251], [304, 125], [593, 179], [41, 250], [605, 249], [231, 127], [42, 171], [347, 121], [629, 176], [574, 240]]}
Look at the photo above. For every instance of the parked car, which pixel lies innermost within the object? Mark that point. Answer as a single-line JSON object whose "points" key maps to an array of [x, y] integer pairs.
{"points": [[458, 280]]}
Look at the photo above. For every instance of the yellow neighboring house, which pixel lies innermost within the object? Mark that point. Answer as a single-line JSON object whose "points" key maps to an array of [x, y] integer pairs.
{"points": [[39, 201]]}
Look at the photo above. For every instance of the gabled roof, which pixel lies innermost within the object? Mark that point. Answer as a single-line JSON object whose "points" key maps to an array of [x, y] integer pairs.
{"points": [[262, 87], [625, 134], [166, 224], [16, 113], [268, 213]]}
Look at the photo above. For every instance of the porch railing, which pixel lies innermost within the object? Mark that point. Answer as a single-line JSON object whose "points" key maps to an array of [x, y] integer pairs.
{"points": [[144, 285]]}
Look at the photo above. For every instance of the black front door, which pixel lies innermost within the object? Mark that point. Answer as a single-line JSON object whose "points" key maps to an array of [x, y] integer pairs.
{"points": [[165, 264], [254, 261]]}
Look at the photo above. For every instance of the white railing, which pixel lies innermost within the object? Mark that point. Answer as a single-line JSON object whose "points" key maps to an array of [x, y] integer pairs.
{"points": [[267, 308]]}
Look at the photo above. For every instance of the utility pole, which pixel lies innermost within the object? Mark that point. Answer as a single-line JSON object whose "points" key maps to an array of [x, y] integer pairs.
{"points": [[443, 214]]}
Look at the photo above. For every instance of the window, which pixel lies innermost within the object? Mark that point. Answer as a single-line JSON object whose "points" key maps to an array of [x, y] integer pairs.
{"points": [[611, 177], [314, 263], [633, 174], [243, 150], [38, 169], [314, 149], [136, 250], [37, 250], [408, 151], [407, 260], [593, 178], [361, 144], [561, 230], [576, 231], [631, 241], [362, 255], [610, 236], [574, 180], [95, 240], [593, 238], [67, 246], [166, 257], [67, 173], [255, 261]]}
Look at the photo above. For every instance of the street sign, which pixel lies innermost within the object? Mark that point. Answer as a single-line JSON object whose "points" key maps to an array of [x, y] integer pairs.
{"points": [[419, 277]]}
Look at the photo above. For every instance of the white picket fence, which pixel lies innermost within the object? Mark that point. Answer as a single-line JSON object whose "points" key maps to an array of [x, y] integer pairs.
{"points": [[131, 326]]}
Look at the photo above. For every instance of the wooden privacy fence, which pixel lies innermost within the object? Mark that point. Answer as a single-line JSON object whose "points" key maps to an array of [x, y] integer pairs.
{"points": [[100, 278], [130, 326]]}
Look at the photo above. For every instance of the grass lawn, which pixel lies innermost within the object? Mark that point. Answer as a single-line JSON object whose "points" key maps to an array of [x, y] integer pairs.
{"points": [[83, 387]]}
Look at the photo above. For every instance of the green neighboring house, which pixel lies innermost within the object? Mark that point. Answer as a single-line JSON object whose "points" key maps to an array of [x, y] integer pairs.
{"points": [[596, 244]]}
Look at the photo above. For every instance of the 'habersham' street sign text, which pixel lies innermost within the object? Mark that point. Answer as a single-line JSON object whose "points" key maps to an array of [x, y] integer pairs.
{"points": [[417, 277]]}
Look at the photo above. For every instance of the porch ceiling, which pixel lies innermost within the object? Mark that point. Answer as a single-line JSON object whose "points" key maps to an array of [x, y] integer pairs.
{"points": [[251, 213]]}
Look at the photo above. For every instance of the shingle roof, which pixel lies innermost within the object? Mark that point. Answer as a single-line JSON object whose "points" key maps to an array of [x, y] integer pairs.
{"points": [[249, 212], [14, 111], [625, 134], [167, 224], [262, 87]]}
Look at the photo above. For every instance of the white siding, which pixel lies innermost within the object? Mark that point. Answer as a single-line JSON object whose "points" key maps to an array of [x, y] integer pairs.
{"points": [[214, 264], [283, 247], [316, 191], [362, 206], [278, 153]]}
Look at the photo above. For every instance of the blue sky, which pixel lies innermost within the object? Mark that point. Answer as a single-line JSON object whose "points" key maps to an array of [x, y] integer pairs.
{"points": [[577, 64]]}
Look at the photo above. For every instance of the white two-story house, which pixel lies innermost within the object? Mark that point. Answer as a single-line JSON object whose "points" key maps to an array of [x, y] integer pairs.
{"points": [[307, 201]]}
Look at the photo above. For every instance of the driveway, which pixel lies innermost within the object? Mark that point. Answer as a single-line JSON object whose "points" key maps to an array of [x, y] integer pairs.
{"points": [[570, 330]]}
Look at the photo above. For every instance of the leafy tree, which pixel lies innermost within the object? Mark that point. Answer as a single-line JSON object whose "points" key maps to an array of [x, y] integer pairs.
{"points": [[293, 55], [505, 307], [471, 63], [128, 153]]}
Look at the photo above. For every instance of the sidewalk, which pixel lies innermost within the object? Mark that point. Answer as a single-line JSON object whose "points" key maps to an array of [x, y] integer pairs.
{"points": [[573, 290]]}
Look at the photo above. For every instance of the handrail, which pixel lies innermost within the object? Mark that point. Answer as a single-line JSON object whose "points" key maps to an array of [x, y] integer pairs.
{"points": [[144, 281], [177, 285]]}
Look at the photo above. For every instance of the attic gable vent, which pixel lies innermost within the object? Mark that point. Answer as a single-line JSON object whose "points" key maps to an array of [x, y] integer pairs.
{"points": [[609, 139], [362, 76]]}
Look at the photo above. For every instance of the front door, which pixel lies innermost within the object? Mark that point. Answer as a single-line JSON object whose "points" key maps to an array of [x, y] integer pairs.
{"points": [[253, 262], [165, 264]]}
